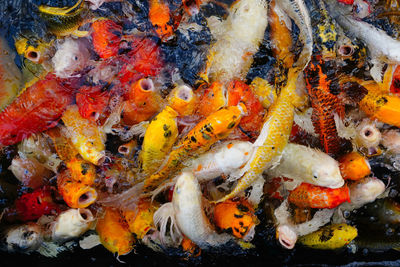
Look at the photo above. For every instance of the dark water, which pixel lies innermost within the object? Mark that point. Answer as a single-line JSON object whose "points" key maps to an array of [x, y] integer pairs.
{"points": [[20, 15]]}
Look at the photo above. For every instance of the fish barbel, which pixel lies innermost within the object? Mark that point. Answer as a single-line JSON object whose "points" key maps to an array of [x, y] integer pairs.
{"points": [[273, 137]]}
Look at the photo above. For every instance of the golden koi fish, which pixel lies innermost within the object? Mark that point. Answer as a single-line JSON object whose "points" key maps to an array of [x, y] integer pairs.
{"points": [[85, 135], [158, 140]]}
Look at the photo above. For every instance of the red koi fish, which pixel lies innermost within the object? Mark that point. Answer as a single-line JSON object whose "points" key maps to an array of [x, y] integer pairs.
{"points": [[318, 197], [395, 86], [31, 206], [106, 37], [145, 59], [324, 104], [37, 109], [92, 101]]}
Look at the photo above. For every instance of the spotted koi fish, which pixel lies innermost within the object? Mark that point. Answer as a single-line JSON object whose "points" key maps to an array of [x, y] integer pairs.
{"points": [[324, 104], [215, 127]]}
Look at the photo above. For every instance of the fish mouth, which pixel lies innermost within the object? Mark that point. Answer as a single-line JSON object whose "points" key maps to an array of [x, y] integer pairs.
{"points": [[336, 185]]}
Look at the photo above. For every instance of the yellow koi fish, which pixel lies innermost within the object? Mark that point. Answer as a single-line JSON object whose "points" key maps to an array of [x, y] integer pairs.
{"points": [[273, 137], [158, 140], [215, 127], [85, 135], [330, 237]]}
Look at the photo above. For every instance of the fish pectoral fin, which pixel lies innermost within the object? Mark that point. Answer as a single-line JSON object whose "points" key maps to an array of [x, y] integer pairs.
{"points": [[376, 70]]}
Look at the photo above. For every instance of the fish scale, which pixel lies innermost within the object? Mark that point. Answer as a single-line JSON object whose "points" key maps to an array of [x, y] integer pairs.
{"points": [[273, 137]]}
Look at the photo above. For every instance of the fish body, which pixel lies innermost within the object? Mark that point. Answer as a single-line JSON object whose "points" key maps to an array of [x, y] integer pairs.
{"points": [[161, 19], [215, 127], [31, 206], [160, 136], [106, 37], [212, 99], [92, 101], [272, 139], [85, 135], [362, 192], [190, 215], [237, 217], [330, 237], [10, 76], [66, 20], [144, 101], [297, 10], [241, 34], [114, 232], [23, 238], [309, 165], [324, 104], [317, 197], [35, 110], [141, 220], [354, 166], [226, 158], [251, 123]]}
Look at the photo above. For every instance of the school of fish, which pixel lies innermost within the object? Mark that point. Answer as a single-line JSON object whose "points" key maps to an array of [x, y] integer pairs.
{"points": [[162, 123]]}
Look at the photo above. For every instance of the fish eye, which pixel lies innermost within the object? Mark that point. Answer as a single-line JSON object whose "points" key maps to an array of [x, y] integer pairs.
{"points": [[315, 175]]}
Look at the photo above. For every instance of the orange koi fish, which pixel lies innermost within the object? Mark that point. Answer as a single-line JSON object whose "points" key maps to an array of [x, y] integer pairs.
{"points": [[161, 19], [354, 166], [114, 232], [37, 109], [144, 101], [318, 197], [324, 104], [212, 99], [106, 37], [250, 124]]}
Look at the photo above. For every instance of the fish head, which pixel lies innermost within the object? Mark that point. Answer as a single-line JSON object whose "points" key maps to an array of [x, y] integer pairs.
{"points": [[24, 238], [327, 173], [286, 236]]}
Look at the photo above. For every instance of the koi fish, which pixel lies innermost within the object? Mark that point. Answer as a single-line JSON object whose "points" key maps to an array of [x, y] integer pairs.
{"points": [[10, 76], [23, 238], [144, 101], [35, 110], [190, 216], [212, 99], [183, 100], [71, 224], [318, 197], [324, 103], [92, 101], [273, 137], [207, 132], [114, 232], [159, 138], [161, 19], [65, 20], [85, 135], [302, 163], [251, 123], [330, 237], [140, 221], [236, 217], [31, 206], [143, 59], [231, 56], [353, 166], [362, 192], [106, 37]]}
